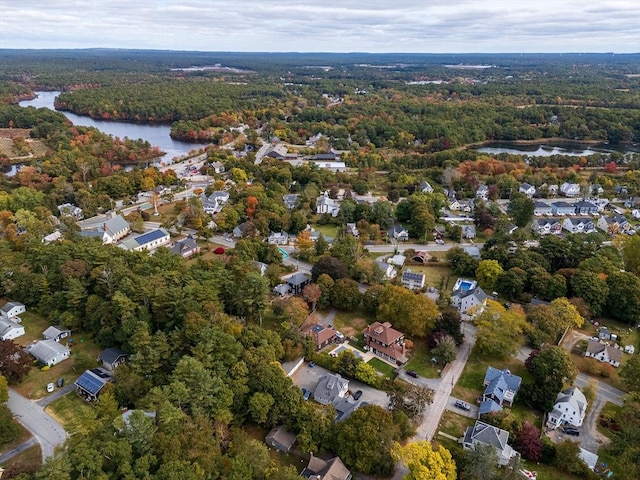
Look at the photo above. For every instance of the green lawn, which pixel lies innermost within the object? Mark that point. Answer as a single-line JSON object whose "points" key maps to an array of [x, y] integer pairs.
{"points": [[609, 411], [383, 367], [436, 274], [34, 325], [327, 230], [72, 412], [420, 361], [454, 424]]}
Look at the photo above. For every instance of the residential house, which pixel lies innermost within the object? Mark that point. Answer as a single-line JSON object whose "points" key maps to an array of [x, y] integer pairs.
{"points": [[421, 256], [111, 358], [218, 167], [425, 187], [214, 203], [278, 238], [56, 333], [91, 382], [604, 333], [319, 469], [291, 200], [547, 226], [484, 434], [147, 241], [69, 210], [468, 297], [541, 208], [398, 232], [10, 329], [326, 205], [472, 251], [389, 272], [297, 282], [385, 342], [454, 205], [469, 231], [569, 409], [12, 309], [570, 189], [528, 190], [48, 352], [467, 206], [322, 336], [482, 192], [396, 260], [239, 231], [578, 225], [501, 387], [185, 247], [282, 290], [583, 207], [613, 225], [413, 280], [352, 229], [112, 230], [562, 208], [280, 438], [330, 388], [52, 237], [344, 407], [604, 353], [438, 232], [280, 152], [261, 266], [635, 213], [553, 190], [596, 189]]}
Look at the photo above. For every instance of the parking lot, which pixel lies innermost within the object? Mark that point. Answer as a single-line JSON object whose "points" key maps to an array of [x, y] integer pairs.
{"points": [[307, 377]]}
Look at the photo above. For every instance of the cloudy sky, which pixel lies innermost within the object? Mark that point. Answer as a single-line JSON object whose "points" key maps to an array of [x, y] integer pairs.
{"points": [[429, 26]]}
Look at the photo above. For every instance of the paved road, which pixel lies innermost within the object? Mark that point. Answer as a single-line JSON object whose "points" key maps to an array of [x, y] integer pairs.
{"points": [[59, 393], [17, 450], [42, 426], [604, 391]]}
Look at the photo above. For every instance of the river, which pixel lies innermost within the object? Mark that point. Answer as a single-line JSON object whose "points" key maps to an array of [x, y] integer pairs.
{"points": [[156, 135], [545, 150]]}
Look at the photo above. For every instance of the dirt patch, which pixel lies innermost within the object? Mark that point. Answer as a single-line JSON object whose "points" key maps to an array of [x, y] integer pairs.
{"points": [[571, 338], [355, 327], [14, 132]]}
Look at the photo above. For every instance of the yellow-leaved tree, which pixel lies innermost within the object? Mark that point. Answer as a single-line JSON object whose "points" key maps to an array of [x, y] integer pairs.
{"points": [[424, 462]]}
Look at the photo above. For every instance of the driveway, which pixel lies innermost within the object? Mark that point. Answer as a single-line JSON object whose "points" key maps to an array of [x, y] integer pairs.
{"points": [[451, 406], [59, 393], [42, 426], [307, 377]]}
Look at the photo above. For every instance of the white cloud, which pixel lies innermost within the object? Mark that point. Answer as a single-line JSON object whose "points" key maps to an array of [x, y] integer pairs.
{"points": [[327, 25]]}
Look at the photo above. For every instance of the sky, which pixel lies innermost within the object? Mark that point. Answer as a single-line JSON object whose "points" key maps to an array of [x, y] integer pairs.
{"points": [[420, 26]]}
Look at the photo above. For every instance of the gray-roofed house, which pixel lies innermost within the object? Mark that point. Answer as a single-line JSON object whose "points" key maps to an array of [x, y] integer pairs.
{"points": [[185, 247], [579, 225], [467, 296], [399, 233], [239, 230], [290, 200], [482, 192], [319, 469], [570, 189], [482, 433], [352, 229], [585, 208], [541, 208], [297, 282], [413, 280], [569, 409], [325, 204], [10, 329], [528, 190], [278, 238], [501, 387], [389, 272], [69, 210], [562, 208], [280, 438], [426, 187], [147, 241], [472, 250], [114, 229], [48, 352], [218, 167], [111, 358], [613, 225], [330, 389], [547, 226], [56, 333], [12, 309], [91, 382], [604, 353], [282, 289], [469, 231]]}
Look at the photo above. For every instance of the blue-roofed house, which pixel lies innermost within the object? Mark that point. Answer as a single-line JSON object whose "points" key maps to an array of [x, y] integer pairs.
{"points": [[91, 382], [147, 241], [501, 387]]}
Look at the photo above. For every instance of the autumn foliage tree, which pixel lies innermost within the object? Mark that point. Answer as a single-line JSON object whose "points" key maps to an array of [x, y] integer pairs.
{"points": [[528, 442], [425, 462], [15, 363], [252, 204]]}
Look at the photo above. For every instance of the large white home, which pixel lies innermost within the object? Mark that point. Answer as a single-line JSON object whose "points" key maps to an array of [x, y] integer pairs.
{"points": [[547, 226], [541, 208], [48, 352], [147, 241], [324, 204], [604, 353], [10, 329], [330, 388], [468, 297], [528, 190], [213, 203], [569, 409], [112, 230], [570, 189], [12, 309], [578, 225]]}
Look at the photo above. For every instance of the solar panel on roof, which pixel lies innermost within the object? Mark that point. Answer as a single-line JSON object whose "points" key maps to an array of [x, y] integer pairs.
{"points": [[150, 236], [90, 383]]}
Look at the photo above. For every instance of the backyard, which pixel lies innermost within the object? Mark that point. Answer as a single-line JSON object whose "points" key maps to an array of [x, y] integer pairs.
{"points": [[421, 362], [72, 412]]}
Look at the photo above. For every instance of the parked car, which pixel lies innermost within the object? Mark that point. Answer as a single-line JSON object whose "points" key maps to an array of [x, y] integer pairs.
{"points": [[306, 394], [312, 364], [50, 387], [439, 241], [571, 431], [60, 382], [462, 405], [357, 395], [412, 373]]}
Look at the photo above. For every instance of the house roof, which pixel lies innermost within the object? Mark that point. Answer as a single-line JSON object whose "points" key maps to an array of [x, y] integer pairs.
{"points": [[574, 397], [281, 435], [512, 381], [298, 279], [408, 276], [92, 381], [55, 330], [7, 325], [328, 388], [46, 350], [319, 469], [320, 333], [487, 434], [7, 307], [584, 204], [383, 332], [116, 224], [562, 205], [489, 406], [185, 245], [397, 230], [111, 355], [595, 348], [539, 204]]}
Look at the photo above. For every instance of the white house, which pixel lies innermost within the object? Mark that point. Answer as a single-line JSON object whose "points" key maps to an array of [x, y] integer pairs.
{"points": [[482, 192], [389, 272], [12, 309], [112, 230], [613, 225], [426, 187], [69, 210], [147, 241], [547, 226], [324, 204], [604, 353], [48, 352], [541, 208], [528, 190], [56, 333], [578, 225], [213, 203], [467, 296], [570, 189], [569, 409], [413, 280], [278, 238], [10, 329], [398, 232]]}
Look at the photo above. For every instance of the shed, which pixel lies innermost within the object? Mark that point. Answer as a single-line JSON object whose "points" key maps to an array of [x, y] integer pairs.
{"points": [[56, 333], [110, 358], [280, 438]]}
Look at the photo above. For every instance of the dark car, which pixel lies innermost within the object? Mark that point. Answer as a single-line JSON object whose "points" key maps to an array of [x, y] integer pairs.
{"points": [[60, 382], [462, 405], [306, 394], [357, 395], [412, 373], [312, 364], [571, 431]]}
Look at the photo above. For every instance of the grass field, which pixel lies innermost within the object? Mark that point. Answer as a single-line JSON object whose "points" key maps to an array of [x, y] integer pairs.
{"points": [[327, 230], [454, 424], [383, 367], [71, 412], [420, 361], [436, 274]]}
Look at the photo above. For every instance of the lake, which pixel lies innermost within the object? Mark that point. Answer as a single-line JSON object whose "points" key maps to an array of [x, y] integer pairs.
{"points": [[544, 150], [157, 135]]}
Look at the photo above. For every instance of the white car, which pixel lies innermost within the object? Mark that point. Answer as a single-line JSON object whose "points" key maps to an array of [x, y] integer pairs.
{"points": [[50, 387]]}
